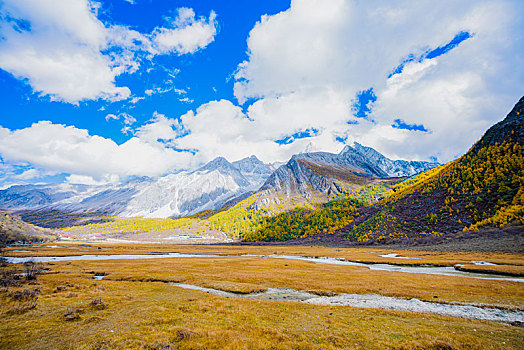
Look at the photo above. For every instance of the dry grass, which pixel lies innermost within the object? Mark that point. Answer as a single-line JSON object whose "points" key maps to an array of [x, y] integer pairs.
{"points": [[511, 270], [353, 254], [233, 287], [158, 316], [250, 273], [131, 308]]}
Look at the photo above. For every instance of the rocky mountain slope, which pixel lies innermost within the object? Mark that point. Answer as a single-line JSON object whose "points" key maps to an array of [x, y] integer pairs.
{"points": [[319, 176], [184, 193], [314, 177], [12, 229], [484, 189], [326, 172]]}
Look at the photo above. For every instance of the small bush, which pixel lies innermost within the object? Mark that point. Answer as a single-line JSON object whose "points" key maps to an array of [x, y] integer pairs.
{"points": [[97, 303], [71, 314], [155, 345], [24, 300], [182, 334], [32, 270], [8, 278]]}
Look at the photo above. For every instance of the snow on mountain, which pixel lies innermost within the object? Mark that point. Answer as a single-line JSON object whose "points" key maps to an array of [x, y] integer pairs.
{"points": [[212, 185], [394, 168], [184, 193], [254, 170], [35, 196]]}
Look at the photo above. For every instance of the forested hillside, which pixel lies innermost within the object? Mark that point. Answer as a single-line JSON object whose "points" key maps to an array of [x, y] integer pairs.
{"points": [[485, 187]]}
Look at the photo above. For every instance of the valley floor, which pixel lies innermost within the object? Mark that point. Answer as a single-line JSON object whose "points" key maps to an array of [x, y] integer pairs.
{"points": [[146, 304], [506, 239]]}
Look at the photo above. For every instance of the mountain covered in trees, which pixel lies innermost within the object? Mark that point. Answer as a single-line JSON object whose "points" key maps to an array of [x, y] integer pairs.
{"points": [[485, 187], [357, 195]]}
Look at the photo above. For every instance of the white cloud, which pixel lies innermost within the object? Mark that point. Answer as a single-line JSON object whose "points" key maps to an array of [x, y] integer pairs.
{"points": [[187, 35], [112, 116], [88, 180], [159, 129], [305, 67], [219, 128], [65, 52], [126, 119], [343, 47], [160, 90], [28, 174], [136, 99], [60, 52], [71, 150]]}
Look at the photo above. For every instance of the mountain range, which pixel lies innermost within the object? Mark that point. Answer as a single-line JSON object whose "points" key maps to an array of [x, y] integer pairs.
{"points": [[483, 189], [215, 184]]}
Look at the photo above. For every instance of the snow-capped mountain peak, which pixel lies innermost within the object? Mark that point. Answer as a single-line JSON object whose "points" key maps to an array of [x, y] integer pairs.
{"points": [[210, 186]]}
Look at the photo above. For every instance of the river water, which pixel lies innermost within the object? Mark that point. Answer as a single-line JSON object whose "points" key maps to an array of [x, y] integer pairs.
{"points": [[432, 270]]}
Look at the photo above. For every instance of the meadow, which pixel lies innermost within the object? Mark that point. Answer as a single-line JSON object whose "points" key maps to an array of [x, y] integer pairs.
{"points": [[135, 307]]}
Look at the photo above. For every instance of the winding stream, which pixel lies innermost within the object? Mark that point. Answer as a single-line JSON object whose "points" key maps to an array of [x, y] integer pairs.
{"points": [[374, 301], [343, 299], [433, 270]]}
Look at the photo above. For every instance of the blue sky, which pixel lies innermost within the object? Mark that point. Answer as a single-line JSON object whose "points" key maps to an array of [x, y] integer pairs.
{"points": [[205, 75], [98, 91]]}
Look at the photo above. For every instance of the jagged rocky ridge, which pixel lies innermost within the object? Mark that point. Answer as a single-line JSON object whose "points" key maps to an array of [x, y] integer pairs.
{"points": [[329, 172], [213, 185]]}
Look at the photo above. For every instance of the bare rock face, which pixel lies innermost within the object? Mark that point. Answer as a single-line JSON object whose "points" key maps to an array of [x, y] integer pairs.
{"points": [[325, 172], [184, 193], [214, 184]]}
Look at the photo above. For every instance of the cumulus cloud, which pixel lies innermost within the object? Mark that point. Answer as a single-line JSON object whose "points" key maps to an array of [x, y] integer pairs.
{"points": [[347, 46], [219, 128], [57, 47], [186, 34], [65, 52], [305, 68], [71, 150]]}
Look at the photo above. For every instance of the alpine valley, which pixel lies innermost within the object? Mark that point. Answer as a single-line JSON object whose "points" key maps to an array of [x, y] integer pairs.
{"points": [[215, 184], [357, 196]]}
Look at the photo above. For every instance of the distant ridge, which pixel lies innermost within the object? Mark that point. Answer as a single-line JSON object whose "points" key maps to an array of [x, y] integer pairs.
{"points": [[325, 172], [316, 176], [485, 187]]}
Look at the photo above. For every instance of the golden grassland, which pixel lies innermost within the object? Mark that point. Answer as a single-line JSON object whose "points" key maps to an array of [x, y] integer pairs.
{"points": [[512, 270], [256, 273], [360, 254], [138, 310], [154, 315]]}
